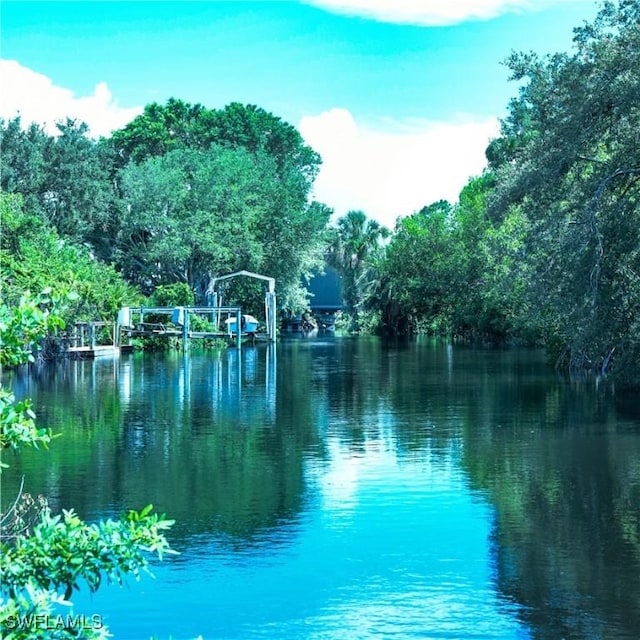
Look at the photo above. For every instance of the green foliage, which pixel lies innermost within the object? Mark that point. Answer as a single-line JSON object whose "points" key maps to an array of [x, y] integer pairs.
{"points": [[64, 179], [368, 322], [58, 552], [191, 214], [18, 427], [179, 125], [23, 325], [292, 236], [504, 309], [255, 129], [354, 246], [159, 130], [181, 194], [420, 269], [568, 163], [450, 270], [172, 295], [33, 257], [209, 192], [23, 161], [21, 328], [431, 271], [545, 245], [62, 551]]}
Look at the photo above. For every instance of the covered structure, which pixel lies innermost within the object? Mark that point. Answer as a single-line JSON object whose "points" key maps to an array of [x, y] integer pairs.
{"points": [[326, 297], [269, 301], [326, 292]]}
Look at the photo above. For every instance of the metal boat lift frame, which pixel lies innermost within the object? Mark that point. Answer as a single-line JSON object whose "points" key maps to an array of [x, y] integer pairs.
{"points": [[269, 299]]}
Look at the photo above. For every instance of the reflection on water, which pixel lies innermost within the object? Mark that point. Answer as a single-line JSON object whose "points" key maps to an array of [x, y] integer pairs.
{"points": [[343, 488]]}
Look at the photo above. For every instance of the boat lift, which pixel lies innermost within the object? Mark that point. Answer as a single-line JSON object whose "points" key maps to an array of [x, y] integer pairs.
{"points": [[180, 316], [269, 299]]}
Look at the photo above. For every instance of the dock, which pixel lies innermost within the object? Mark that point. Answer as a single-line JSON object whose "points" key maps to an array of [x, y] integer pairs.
{"points": [[133, 322], [98, 351], [83, 341], [180, 322]]}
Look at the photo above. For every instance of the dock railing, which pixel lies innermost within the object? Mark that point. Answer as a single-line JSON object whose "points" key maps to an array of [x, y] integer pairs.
{"points": [[131, 320], [85, 334]]}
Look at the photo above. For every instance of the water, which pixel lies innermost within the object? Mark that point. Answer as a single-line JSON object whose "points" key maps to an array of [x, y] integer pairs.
{"points": [[340, 488]]}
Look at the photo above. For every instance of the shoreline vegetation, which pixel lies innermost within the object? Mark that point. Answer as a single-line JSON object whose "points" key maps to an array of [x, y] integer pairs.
{"points": [[541, 249]]}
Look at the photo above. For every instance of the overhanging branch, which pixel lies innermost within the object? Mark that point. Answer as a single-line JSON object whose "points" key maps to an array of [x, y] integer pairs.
{"points": [[593, 222]]}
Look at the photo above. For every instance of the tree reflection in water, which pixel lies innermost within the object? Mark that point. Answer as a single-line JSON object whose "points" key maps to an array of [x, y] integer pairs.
{"points": [[234, 447]]}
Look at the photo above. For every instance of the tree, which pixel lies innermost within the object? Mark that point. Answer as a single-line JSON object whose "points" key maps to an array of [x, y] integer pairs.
{"points": [[487, 304], [354, 245], [181, 194], [255, 129], [450, 270], [34, 257], [23, 161], [567, 160], [78, 192], [418, 268], [292, 236], [159, 130], [164, 128], [190, 214], [207, 192], [64, 178]]}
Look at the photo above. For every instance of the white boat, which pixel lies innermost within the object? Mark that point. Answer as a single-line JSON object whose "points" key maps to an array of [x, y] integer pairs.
{"points": [[248, 324]]}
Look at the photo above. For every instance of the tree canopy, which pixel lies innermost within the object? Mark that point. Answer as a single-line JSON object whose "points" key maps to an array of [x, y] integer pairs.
{"points": [[568, 160], [353, 250], [163, 128], [544, 246], [35, 257], [179, 195]]}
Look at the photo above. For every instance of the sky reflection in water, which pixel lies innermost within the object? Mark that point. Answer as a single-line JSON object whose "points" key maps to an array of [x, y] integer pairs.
{"points": [[342, 489]]}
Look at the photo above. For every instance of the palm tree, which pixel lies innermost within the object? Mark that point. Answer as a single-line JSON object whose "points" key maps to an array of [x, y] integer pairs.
{"points": [[354, 244]]}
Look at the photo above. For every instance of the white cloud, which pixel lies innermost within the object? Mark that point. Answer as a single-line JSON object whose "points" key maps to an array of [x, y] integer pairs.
{"points": [[428, 12], [395, 168], [388, 170], [35, 98]]}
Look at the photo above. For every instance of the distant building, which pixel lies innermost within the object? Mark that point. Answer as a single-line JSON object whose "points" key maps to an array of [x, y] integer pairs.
{"points": [[326, 298], [326, 292], [325, 303]]}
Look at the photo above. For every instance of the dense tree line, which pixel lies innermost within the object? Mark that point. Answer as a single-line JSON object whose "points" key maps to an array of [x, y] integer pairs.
{"points": [[544, 247], [179, 195], [34, 257]]}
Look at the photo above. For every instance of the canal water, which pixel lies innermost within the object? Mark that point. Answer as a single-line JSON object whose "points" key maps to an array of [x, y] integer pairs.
{"points": [[344, 488]]}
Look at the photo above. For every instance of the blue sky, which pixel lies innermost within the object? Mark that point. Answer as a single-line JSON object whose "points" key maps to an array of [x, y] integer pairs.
{"points": [[400, 97]]}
